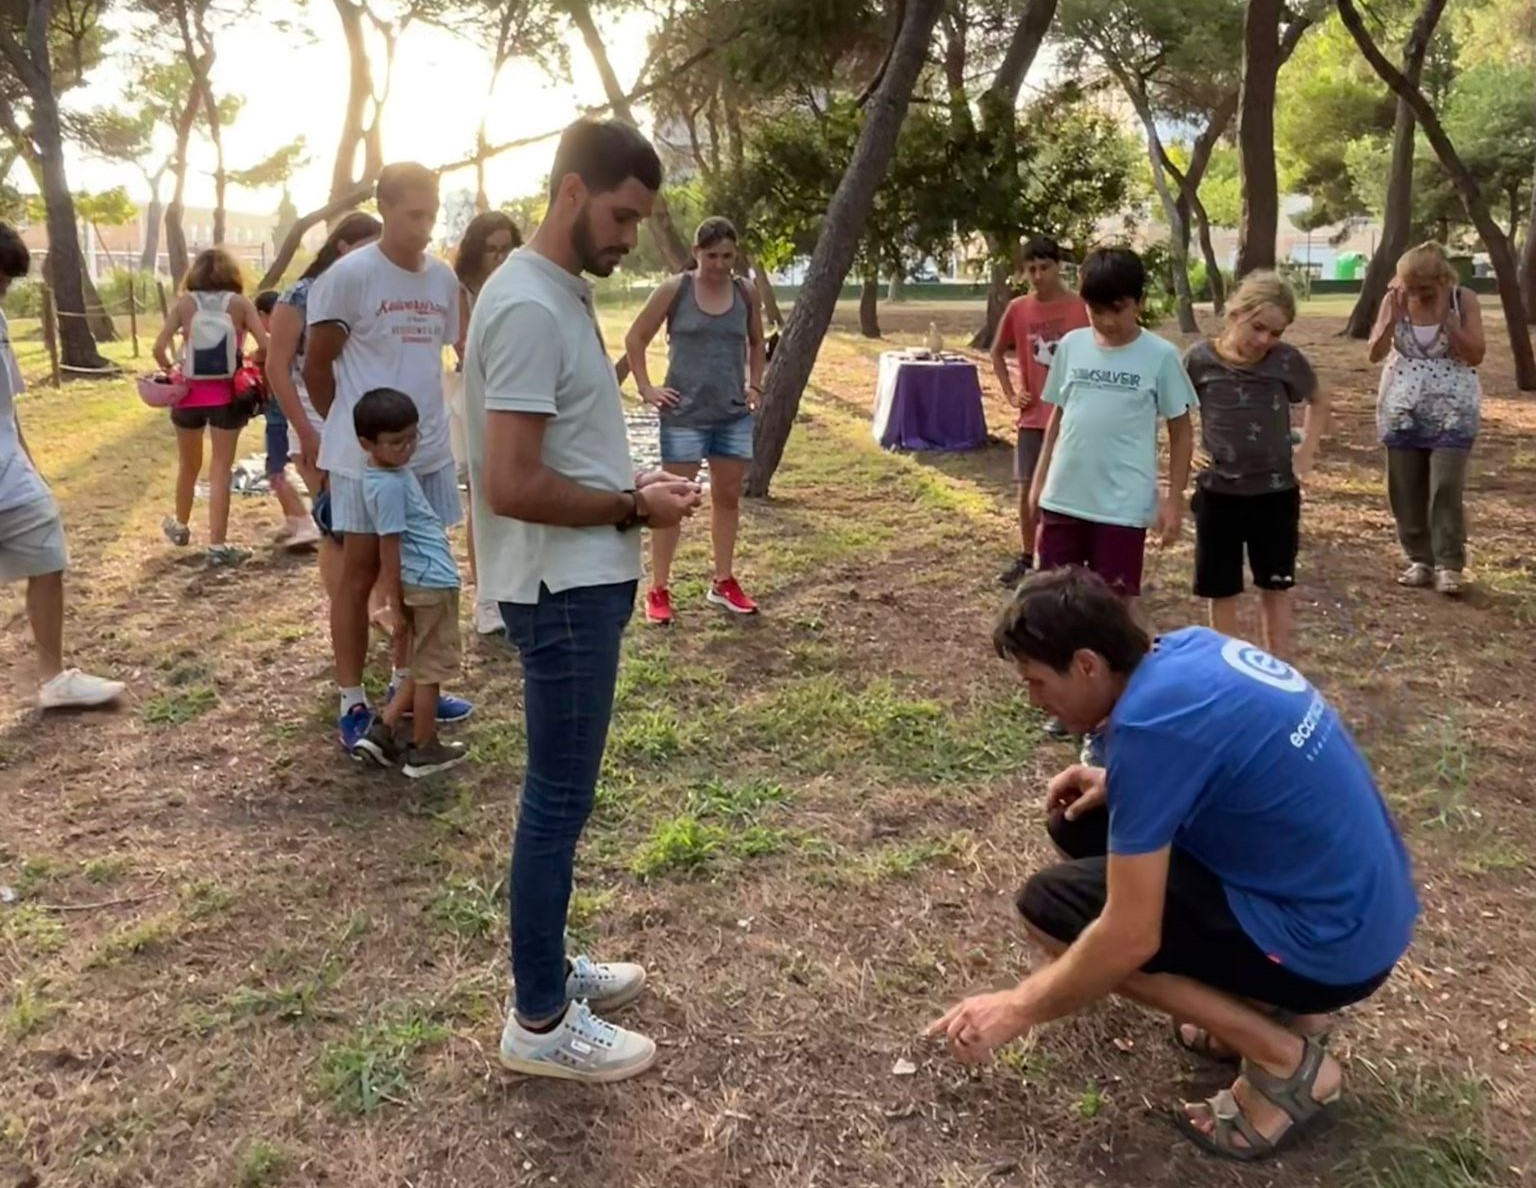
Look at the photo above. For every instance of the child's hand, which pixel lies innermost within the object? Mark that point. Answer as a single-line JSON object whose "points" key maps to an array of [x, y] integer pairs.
{"points": [[1170, 518], [1303, 464]]}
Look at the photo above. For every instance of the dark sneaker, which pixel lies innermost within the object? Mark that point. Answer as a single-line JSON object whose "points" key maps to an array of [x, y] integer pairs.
{"points": [[1017, 572], [433, 758], [380, 745]]}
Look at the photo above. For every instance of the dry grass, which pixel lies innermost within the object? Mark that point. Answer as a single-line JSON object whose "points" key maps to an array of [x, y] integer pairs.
{"points": [[810, 827]]}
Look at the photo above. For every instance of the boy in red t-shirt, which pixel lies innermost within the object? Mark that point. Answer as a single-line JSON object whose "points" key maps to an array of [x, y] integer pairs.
{"points": [[1032, 326]]}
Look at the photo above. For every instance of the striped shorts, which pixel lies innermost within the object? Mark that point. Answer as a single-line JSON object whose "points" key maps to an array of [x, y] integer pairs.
{"points": [[349, 511]]}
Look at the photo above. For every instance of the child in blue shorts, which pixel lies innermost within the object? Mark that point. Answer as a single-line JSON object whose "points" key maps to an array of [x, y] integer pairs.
{"points": [[299, 530]]}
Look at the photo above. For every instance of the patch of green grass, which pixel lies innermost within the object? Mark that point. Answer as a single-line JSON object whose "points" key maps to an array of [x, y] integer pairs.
{"points": [[1025, 1059], [587, 905], [903, 860], [681, 844], [205, 898], [1447, 778], [291, 1003], [176, 709], [1429, 1131], [372, 1066], [30, 1009], [105, 869], [146, 936], [262, 1165], [736, 800], [31, 929], [38, 871], [498, 742], [468, 908], [1090, 1103], [651, 737]]}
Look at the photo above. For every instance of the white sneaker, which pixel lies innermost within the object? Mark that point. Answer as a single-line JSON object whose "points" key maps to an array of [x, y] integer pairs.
{"points": [[581, 1048], [488, 620], [73, 689], [303, 533], [1416, 576], [1448, 582], [605, 986]]}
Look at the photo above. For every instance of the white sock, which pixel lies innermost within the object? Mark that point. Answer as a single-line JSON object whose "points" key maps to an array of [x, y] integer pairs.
{"points": [[399, 677], [352, 695]]}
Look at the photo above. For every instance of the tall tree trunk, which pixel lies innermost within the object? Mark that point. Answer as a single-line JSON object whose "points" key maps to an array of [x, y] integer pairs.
{"points": [[1500, 254], [1397, 215], [668, 241], [1528, 261], [1214, 276], [1260, 220], [154, 215], [360, 132], [772, 315], [175, 232], [839, 242], [103, 328], [31, 63], [869, 305], [1177, 238], [997, 114]]}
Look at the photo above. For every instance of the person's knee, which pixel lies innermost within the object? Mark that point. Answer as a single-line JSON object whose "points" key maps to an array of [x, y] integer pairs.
{"points": [[46, 585], [1042, 907]]}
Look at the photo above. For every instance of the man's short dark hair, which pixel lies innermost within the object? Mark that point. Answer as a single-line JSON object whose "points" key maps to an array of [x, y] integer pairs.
{"points": [[1112, 275], [266, 301], [605, 154], [14, 257], [1058, 613], [1042, 247], [383, 410], [396, 179]]}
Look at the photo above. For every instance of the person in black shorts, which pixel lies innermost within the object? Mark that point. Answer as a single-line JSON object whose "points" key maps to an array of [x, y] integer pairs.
{"points": [[1233, 867], [1248, 496]]}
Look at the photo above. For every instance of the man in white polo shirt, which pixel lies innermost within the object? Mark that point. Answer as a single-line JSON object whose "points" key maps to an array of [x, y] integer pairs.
{"points": [[558, 507], [379, 318]]}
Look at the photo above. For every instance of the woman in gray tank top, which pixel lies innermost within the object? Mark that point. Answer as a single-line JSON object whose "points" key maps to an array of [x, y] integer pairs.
{"points": [[716, 358]]}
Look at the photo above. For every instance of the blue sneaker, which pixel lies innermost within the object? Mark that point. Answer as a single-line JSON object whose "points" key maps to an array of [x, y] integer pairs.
{"points": [[354, 726], [449, 709]]}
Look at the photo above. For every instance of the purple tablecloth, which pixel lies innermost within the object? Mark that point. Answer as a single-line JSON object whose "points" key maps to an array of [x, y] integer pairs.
{"points": [[930, 406]]}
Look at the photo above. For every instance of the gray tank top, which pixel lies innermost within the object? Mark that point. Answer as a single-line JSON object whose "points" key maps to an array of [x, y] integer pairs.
{"points": [[707, 361]]}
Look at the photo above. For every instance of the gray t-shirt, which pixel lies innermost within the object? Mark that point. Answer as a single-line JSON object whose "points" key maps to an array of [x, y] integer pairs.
{"points": [[1245, 417], [534, 347], [707, 360]]}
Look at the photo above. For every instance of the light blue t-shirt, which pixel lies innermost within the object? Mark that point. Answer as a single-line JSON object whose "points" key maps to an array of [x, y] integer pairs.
{"points": [[1104, 464], [398, 507], [1231, 755]]}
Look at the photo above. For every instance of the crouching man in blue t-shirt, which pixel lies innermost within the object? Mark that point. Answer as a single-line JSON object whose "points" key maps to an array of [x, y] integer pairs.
{"points": [[1234, 866]]}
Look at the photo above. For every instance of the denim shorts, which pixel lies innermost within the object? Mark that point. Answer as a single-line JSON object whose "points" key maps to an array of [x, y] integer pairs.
{"points": [[277, 441], [682, 443]]}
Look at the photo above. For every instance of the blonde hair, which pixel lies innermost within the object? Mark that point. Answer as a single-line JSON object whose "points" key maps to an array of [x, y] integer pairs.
{"points": [[214, 271], [1259, 289], [1427, 264]]}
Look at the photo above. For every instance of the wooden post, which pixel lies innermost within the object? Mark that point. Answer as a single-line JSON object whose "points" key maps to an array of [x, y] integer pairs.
{"points": [[133, 311], [160, 288], [51, 333]]}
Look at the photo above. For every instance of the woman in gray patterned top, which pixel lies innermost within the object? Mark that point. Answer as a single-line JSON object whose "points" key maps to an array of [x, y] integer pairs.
{"points": [[1248, 495], [716, 358]]}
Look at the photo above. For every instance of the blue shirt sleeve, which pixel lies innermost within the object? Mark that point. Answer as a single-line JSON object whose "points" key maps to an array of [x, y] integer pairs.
{"points": [[1155, 780], [385, 497], [1175, 394]]}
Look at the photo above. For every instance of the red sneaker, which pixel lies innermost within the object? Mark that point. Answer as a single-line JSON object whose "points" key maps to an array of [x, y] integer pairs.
{"points": [[658, 607], [729, 594]]}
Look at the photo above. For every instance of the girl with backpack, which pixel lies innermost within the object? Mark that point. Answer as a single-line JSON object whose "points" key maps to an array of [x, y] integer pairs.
{"points": [[213, 317], [714, 380]]}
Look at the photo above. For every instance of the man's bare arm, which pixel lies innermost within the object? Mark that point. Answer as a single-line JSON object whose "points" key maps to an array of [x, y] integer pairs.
{"points": [[322, 348]]}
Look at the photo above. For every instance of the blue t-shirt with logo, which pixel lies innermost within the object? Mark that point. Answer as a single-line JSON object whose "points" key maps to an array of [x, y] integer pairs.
{"points": [[1104, 463], [1220, 749], [399, 507]]}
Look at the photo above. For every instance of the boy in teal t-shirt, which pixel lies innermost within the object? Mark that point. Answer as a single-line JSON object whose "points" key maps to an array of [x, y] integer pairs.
{"points": [[1096, 487]]}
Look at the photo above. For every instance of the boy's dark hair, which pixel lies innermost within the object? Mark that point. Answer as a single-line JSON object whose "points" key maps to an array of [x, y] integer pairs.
{"points": [[1058, 613], [383, 410], [1042, 247], [15, 259], [396, 179], [1112, 275], [266, 301], [605, 154]]}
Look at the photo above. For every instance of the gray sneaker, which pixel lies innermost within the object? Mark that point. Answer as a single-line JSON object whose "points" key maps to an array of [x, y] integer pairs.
{"points": [[176, 532], [581, 1048], [1417, 576], [607, 986], [434, 757], [225, 555], [1448, 582]]}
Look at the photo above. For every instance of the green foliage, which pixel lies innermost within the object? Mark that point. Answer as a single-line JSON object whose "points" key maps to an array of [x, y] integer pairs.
{"points": [[373, 1066], [108, 208]]}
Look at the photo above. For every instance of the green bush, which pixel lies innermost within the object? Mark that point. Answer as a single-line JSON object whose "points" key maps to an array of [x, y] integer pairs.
{"points": [[25, 299]]}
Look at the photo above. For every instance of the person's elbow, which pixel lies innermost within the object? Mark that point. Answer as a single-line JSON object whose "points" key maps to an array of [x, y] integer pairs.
{"points": [[510, 493], [1476, 352], [1136, 941]]}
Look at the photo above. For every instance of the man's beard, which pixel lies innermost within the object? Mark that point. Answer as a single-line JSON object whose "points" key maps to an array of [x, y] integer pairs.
{"points": [[597, 261]]}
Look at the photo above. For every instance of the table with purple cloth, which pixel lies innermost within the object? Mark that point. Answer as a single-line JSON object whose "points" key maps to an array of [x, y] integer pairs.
{"points": [[928, 404]]}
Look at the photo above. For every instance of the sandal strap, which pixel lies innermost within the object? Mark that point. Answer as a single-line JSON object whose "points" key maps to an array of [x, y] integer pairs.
{"points": [[1229, 1120], [1293, 1094]]}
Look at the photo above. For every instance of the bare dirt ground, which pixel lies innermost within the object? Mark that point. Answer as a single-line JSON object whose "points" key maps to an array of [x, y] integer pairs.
{"points": [[235, 959]]}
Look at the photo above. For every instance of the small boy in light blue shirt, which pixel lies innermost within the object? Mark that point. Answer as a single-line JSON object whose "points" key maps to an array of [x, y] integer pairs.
{"points": [[421, 583], [1096, 486]]}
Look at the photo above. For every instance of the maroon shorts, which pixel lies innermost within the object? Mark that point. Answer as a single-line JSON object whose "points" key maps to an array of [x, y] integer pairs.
{"points": [[1112, 551]]}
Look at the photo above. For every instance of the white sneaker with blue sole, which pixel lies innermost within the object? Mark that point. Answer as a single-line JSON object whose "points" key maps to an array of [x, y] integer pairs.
{"points": [[582, 1047]]}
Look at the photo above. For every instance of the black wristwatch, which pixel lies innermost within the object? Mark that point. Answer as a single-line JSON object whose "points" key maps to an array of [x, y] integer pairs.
{"points": [[636, 517]]}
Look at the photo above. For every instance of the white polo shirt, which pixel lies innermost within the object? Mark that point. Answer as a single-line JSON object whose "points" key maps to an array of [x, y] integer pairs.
{"points": [[535, 347]]}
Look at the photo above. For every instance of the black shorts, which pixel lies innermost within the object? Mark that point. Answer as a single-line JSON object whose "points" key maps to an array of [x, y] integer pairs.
{"points": [[233, 416], [1202, 939], [1267, 525]]}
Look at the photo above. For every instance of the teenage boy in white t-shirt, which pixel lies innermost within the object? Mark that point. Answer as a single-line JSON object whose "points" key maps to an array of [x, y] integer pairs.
{"points": [[380, 318], [31, 529], [558, 508]]}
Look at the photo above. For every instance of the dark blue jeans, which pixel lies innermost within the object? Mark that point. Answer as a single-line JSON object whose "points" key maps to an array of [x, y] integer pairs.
{"points": [[569, 645]]}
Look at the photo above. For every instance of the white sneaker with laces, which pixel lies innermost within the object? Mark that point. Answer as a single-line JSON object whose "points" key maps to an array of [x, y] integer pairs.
{"points": [[606, 986], [73, 689], [488, 620], [581, 1048]]}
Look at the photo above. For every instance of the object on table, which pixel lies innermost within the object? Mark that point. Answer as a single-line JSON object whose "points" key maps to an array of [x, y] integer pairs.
{"points": [[928, 404], [935, 340]]}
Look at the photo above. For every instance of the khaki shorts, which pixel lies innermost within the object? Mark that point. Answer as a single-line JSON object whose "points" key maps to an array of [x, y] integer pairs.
{"points": [[436, 654], [32, 540]]}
